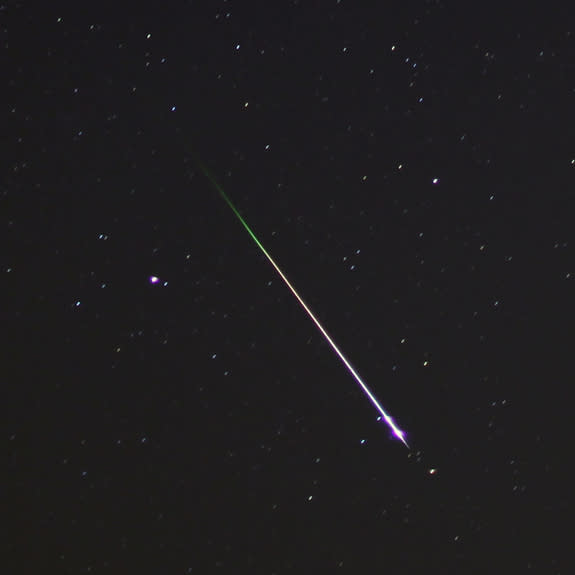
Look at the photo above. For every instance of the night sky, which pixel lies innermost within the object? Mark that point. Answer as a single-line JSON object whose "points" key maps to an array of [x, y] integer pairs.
{"points": [[167, 405]]}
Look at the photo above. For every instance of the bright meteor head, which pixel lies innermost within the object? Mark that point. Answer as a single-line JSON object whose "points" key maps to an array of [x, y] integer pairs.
{"points": [[398, 433], [401, 436]]}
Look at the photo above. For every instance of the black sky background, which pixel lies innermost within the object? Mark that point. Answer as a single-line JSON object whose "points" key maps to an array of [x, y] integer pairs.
{"points": [[411, 168]]}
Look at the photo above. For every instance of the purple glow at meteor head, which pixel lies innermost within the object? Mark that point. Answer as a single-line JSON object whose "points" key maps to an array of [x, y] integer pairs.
{"points": [[395, 431], [401, 436], [153, 279]]}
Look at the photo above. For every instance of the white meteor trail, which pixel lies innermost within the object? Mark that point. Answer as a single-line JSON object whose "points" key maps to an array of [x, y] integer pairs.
{"points": [[388, 419]]}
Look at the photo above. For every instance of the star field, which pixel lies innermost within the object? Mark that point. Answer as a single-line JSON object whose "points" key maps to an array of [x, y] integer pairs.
{"points": [[168, 407]]}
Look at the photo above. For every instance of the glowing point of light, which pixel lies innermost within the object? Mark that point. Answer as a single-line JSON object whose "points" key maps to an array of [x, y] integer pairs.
{"points": [[387, 418], [153, 279]]}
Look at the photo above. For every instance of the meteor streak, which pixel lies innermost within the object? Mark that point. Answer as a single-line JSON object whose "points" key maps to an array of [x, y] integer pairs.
{"points": [[396, 431]]}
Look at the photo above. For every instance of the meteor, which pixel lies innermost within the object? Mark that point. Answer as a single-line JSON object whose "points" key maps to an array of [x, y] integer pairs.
{"points": [[387, 418]]}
